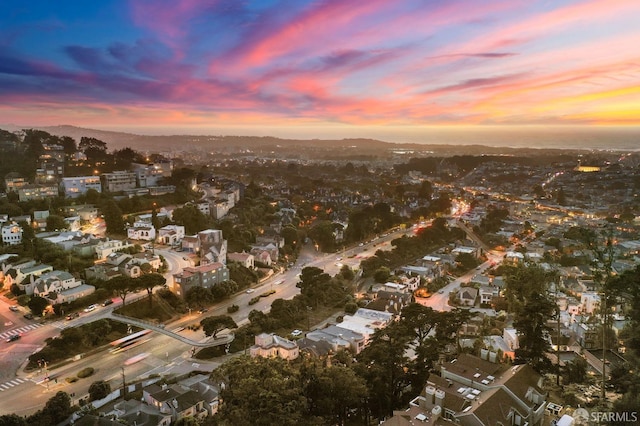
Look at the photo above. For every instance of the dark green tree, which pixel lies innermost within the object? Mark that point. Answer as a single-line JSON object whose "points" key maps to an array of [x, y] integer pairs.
{"points": [[99, 390], [56, 223], [113, 217], [526, 290], [37, 305], [149, 282], [198, 297], [277, 385], [215, 324], [121, 286]]}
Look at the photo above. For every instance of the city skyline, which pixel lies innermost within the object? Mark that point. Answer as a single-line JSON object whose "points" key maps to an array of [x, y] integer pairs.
{"points": [[320, 68]]}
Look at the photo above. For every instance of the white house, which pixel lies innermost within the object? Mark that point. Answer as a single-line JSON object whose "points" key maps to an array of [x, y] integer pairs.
{"points": [[11, 234], [171, 234], [141, 231]]}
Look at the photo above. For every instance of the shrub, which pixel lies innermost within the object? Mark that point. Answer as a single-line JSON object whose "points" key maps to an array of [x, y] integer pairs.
{"points": [[71, 379], [85, 372], [254, 300], [233, 308]]}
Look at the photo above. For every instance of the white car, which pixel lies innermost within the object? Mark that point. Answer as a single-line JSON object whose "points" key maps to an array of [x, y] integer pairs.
{"points": [[90, 308], [296, 333], [250, 290]]}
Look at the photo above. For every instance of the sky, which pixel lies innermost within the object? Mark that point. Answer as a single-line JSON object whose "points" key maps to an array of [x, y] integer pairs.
{"points": [[311, 68]]}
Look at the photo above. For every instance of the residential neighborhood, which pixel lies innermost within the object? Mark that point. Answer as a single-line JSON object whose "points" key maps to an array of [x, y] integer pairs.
{"points": [[432, 292]]}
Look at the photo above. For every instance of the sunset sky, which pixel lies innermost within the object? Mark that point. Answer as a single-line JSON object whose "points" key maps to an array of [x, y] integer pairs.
{"points": [[225, 66]]}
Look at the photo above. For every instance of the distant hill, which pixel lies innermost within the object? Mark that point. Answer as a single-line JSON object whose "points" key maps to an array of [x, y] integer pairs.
{"points": [[178, 143]]}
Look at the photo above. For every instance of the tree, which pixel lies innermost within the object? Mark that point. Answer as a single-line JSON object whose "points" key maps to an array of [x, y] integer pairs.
{"points": [[149, 282], [191, 218], [382, 274], [56, 223], [526, 290], [197, 297], [99, 390], [467, 261], [121, 286], [575, 371], [347, 273], [37, 305], [113, 217], [215, 324], [333, 392], [426, 190], [281, 399], [12, 420], [383, 366]]}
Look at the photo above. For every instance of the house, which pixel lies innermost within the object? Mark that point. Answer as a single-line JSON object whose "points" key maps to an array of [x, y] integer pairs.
{"points": [[105, 248], [25, 274], [467, 296], [271, 345], [190, 244], [139, 413], [11, 234], [116, 264], [487, 293], [209, 391], [513, 258], [471, 391], [262, 256], [213, 247], [60, 287], [473, 251], [339, 338], [141, 231], [171, 234], [245, 259], [175, 401]]}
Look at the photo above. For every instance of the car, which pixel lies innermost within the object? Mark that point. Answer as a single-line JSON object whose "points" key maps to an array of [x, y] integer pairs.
{"points": [[13, 338], [250, 291], [13, 308], [296, 333], [107, 302], [185, 258], [72, 315], [90, 308], [203, 310], [440, 291], [360, 245], [28, 315]]}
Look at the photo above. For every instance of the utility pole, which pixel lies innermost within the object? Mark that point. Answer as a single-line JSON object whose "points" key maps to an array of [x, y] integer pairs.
{"points": [[124, 385]]}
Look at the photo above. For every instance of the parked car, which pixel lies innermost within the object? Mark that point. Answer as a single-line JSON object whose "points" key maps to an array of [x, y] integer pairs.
{"points": [[107, 302], [250, 291], [90, 308], [13, 338], [13, 308], [296, 333], [28, 315]]}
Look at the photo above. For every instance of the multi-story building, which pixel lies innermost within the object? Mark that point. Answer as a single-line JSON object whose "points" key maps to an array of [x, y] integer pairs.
{"points": [[141, 231], [118, 181], [205, 276], [11, 234], [37, 192], [73, 187], [13, 181]]}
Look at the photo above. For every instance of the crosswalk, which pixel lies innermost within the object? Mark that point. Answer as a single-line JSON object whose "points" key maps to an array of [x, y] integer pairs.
{"points": [[8, 385], [19, 330]]}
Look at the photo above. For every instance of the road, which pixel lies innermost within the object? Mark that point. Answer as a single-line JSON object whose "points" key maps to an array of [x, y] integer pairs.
{"points": [[24, 393]]}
